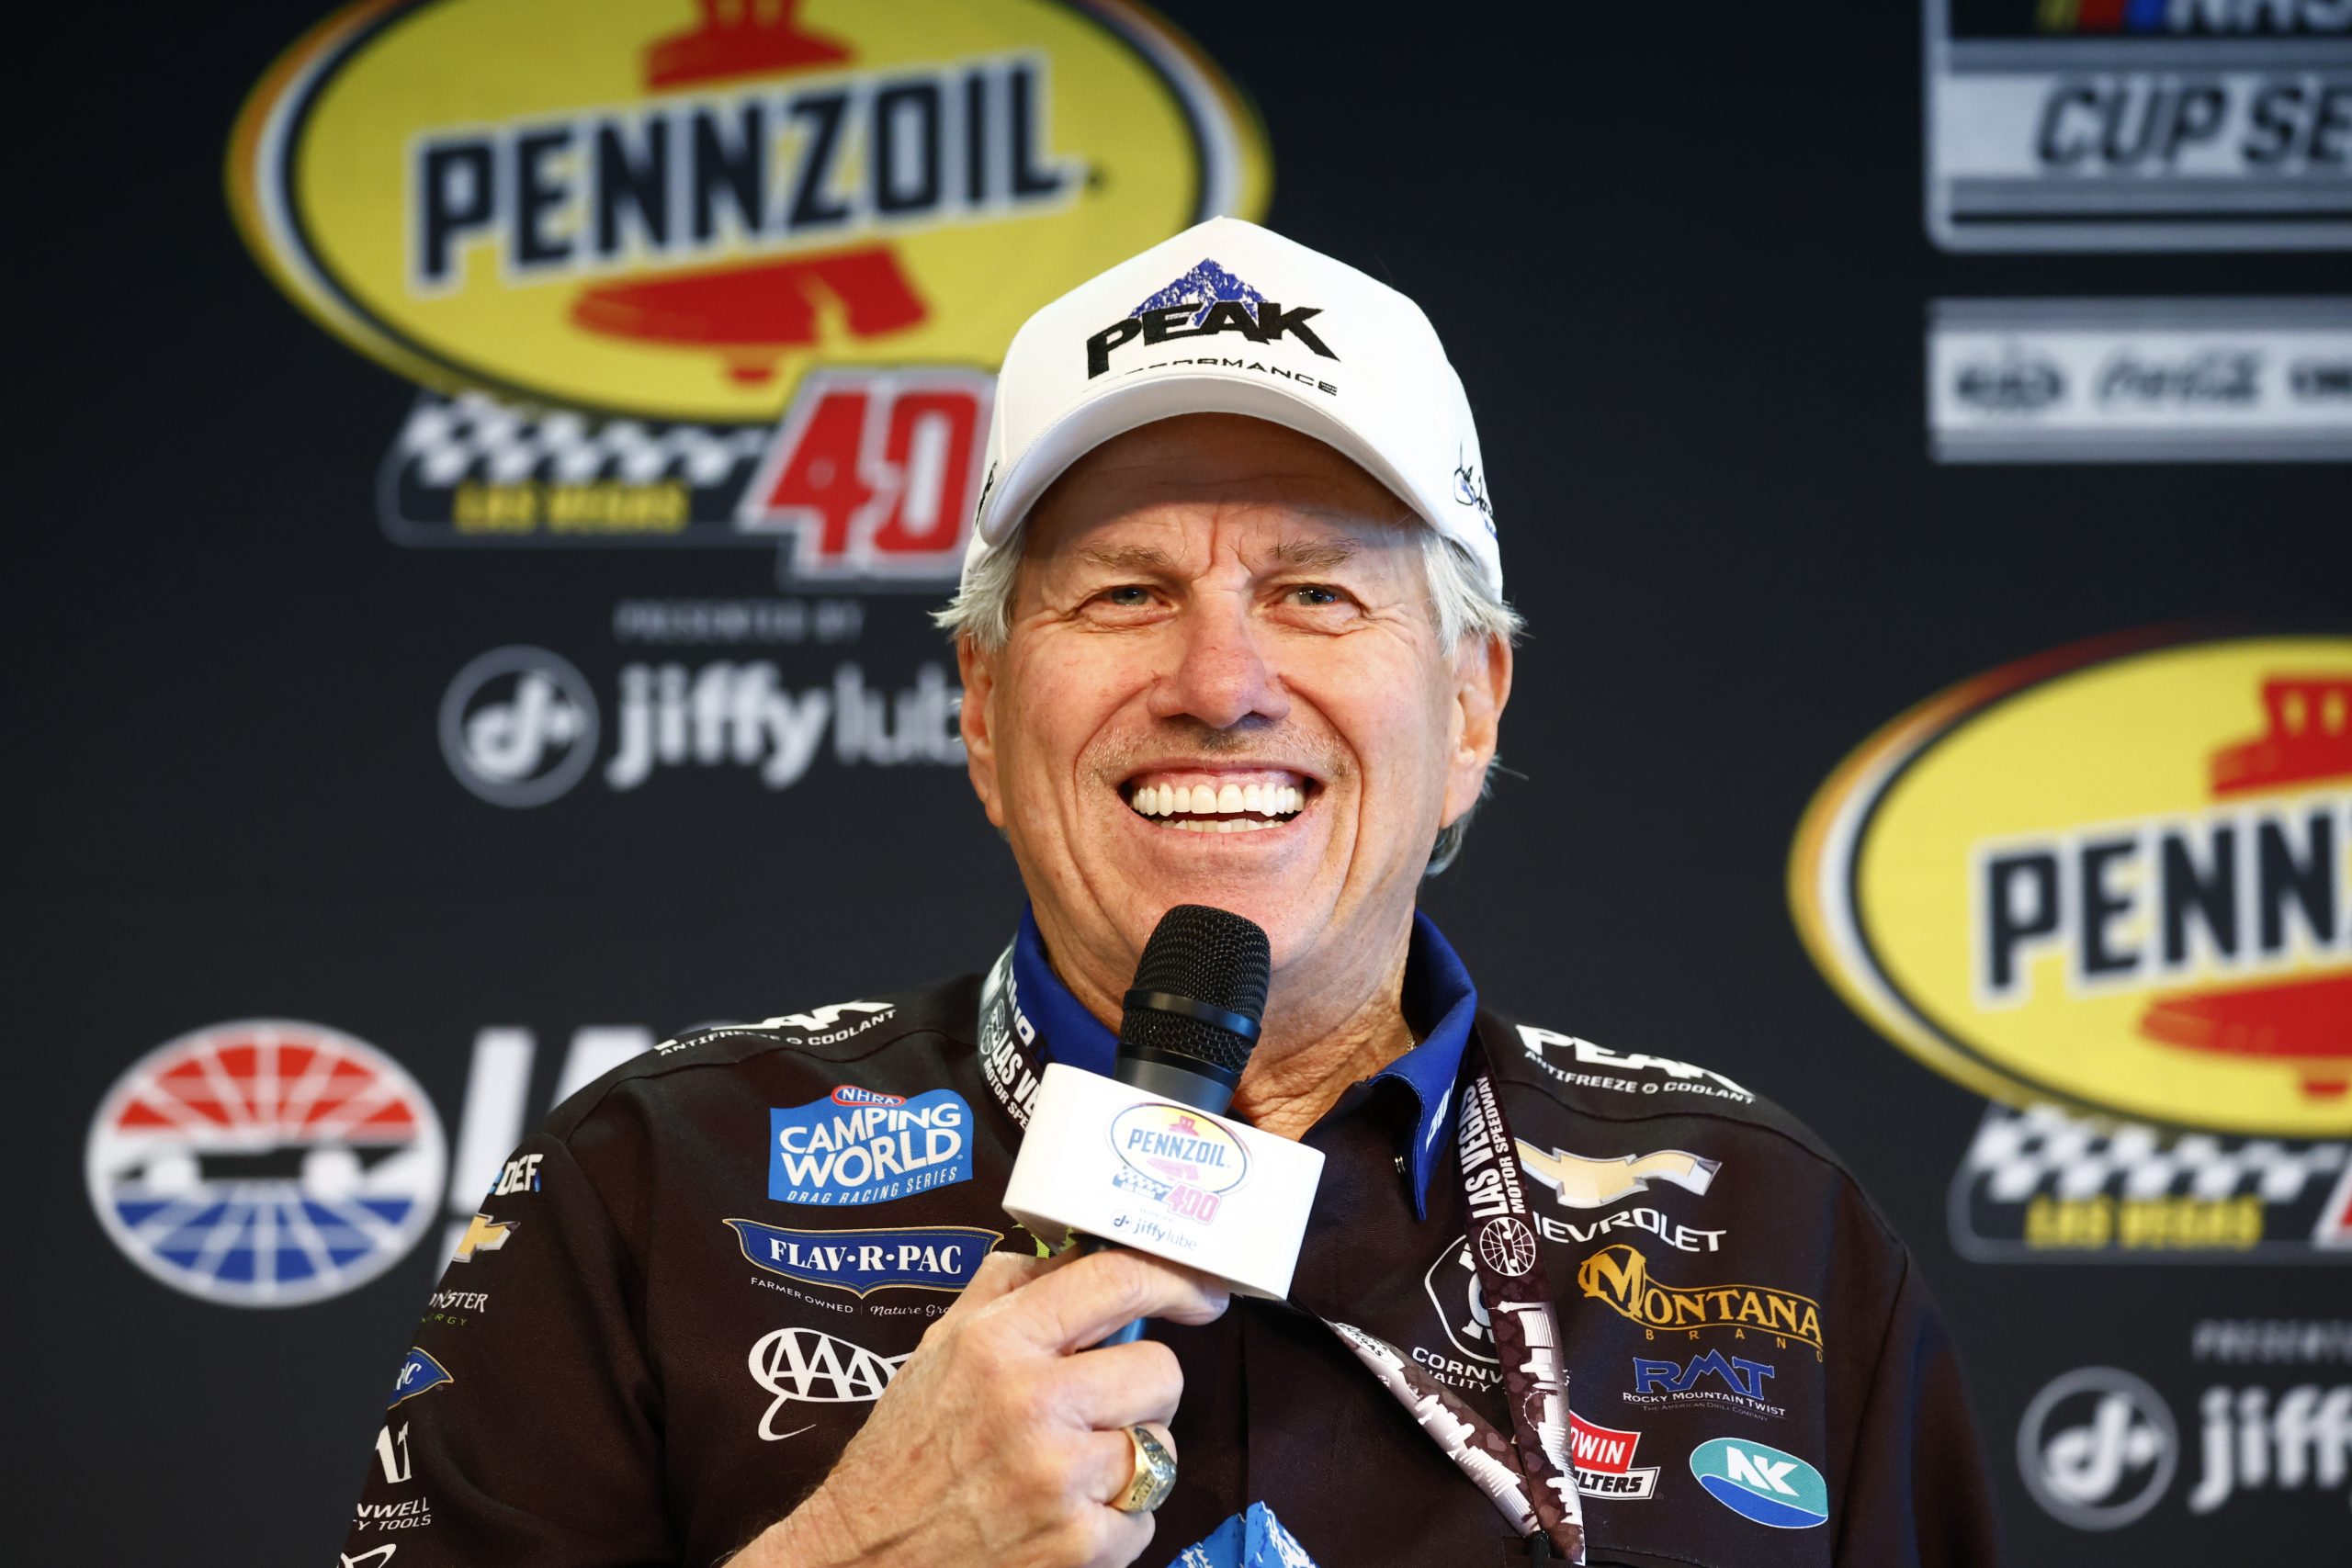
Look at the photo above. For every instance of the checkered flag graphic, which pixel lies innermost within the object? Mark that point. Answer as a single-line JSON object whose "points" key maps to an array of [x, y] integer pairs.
{"points": [[2305, 1187], [449, 440], [2043, 1149]]}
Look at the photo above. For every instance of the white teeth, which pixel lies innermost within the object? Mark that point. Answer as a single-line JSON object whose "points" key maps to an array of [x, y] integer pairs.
{"points": [[1223, 805]]}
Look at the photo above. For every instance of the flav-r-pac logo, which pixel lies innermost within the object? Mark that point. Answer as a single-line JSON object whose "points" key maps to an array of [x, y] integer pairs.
{"points": [[2117, 877], [715, 273]]}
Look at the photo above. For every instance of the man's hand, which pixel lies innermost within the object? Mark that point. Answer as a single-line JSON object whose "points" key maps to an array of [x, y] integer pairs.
{"points": [[999, 1442]]}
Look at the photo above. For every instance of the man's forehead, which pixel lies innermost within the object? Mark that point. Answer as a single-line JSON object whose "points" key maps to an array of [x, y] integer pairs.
{"points": [[1291, 548], [1276, 494]]}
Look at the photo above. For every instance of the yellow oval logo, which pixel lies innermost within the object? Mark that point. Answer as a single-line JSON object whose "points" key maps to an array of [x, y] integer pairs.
{"points": [[2117, 875], [674, 211]]}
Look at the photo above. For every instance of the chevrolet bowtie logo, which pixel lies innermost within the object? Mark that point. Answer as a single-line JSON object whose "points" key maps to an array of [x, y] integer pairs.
{"points": [[1596, 1183], [484, 1235]]}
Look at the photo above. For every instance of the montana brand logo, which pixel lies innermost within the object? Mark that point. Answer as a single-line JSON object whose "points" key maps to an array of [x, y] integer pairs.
{"points": [[1620, 1278], [1202, 303]]}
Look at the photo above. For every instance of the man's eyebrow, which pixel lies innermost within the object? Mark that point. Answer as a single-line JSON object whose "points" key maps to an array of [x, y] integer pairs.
{"points": [[1313, 555], [1147, 559]]}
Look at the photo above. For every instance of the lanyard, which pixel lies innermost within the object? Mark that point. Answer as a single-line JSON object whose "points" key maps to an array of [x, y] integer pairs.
{"points": [[1526, 1472]]}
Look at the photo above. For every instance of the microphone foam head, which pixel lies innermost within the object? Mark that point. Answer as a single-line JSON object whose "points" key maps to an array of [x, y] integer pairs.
{"points": [[1218, 959]]}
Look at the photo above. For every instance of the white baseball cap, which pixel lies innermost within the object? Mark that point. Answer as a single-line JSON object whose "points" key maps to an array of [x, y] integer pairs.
{"points": [[1229, 318]]}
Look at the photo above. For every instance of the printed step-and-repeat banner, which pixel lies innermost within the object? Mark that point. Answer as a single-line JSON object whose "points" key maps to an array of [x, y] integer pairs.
{"points": [[496, 459]]}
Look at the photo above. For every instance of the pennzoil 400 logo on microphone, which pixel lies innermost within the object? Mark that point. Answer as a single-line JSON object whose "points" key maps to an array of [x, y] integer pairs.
{"points": [[716, 273], [2112, 886]]}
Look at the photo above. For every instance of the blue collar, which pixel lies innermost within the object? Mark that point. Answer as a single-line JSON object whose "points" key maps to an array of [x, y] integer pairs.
{"points": [[1438, 994]]}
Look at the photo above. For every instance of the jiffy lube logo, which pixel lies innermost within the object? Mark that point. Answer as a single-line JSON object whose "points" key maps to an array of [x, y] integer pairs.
{"points": [[715, 272], [2117, 876], [860, 1146], [1179, 1157]]}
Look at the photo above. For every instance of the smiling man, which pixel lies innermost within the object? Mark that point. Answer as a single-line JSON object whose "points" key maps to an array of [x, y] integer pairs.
{"points": [[1232, 633]]}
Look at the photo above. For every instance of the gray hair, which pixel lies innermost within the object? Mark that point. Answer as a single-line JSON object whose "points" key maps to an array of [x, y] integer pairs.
{"points": [[1465, 606]]}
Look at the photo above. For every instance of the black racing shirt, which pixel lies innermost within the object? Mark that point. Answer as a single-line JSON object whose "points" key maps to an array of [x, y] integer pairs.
{"points": [[682, 1296]]}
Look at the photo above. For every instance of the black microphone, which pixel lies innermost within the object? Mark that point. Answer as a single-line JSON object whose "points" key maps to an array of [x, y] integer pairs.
{"points": [[1192, 1017]]}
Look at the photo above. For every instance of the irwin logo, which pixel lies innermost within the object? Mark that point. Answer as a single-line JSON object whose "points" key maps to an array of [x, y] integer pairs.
{"points": [[1618, 1277], [936, 1257]]}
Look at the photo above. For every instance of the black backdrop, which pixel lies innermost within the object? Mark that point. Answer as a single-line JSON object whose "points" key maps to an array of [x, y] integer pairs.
{"points": [[1680, 261]]}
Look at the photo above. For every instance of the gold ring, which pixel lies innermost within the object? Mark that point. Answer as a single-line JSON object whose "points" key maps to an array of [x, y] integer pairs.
{"points": [[1155, 1475]]}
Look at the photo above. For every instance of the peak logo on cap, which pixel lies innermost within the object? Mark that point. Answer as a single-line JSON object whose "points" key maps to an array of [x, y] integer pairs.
{"points": [[1198, 323], [1214, 301], [2116, 877], [687, 207]]}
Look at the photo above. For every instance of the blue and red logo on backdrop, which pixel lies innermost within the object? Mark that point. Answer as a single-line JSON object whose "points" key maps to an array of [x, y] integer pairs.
{"points": [[266, 1163]]}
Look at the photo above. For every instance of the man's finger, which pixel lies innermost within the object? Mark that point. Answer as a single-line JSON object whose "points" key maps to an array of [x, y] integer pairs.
{"points": [[998, 1275], [1111, 1460], [1074, 1305], [1116, 1386]]}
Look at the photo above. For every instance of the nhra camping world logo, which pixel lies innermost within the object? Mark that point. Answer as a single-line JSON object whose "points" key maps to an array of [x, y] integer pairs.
{"points": [[717, 273], [2116, 877], [266, 1163], [859, 1146]]}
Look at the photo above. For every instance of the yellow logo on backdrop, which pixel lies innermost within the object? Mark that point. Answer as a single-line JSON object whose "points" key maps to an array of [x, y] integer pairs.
{"points": [[2117, 877], [674, 211]]}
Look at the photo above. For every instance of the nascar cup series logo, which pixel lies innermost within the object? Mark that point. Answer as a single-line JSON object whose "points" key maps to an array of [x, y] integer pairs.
{"points": [[714, 271], [2117, 876], [266, 1163], [1179, 1157]]}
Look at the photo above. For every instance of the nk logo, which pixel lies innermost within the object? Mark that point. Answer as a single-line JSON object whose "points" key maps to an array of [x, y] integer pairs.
{"points": [[1761, 1483]]}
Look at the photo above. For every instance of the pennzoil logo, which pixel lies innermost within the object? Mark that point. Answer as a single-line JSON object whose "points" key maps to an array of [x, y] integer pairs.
{"points": [[717, 272], [1619, 1277], [2116, 877]]}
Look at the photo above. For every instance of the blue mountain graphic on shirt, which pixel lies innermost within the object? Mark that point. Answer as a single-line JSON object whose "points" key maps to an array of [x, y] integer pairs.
{"points": [[1204, 285]]}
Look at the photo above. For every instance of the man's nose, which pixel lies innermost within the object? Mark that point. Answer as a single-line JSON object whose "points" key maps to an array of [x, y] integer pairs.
{"points": [[1221, 676]]}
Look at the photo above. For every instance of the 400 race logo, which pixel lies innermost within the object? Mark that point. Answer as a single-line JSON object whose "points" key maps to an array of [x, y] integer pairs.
{"points": [[717, 274], [266, 1163]]}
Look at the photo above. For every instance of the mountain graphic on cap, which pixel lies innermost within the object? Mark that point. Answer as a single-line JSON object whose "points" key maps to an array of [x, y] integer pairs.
{"points": [[1204, 285]]}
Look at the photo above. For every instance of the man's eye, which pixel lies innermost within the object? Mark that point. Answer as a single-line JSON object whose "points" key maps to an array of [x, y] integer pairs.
{"points": [[1127, 596], [1313, 595]]}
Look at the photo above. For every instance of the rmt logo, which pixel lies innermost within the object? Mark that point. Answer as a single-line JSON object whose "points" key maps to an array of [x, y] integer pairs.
{"points": [[1211, 300]]}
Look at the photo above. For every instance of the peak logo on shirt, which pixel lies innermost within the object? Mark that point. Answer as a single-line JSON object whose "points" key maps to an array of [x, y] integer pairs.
{"points": [[934, 1258], [859, 1146]]}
